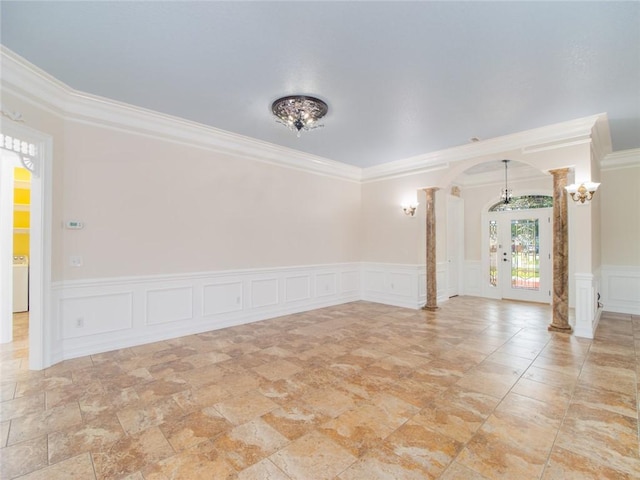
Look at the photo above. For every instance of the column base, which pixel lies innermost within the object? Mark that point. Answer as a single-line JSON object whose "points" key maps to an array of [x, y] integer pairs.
{"points": [[430, 308], [556, 328]]}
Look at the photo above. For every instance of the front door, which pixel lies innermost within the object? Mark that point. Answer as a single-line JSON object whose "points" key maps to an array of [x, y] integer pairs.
{"points": [[520, 254]]}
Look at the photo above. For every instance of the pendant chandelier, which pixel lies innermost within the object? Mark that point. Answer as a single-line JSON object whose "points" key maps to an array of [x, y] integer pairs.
{"points": [[299, 112], [507, 193]]}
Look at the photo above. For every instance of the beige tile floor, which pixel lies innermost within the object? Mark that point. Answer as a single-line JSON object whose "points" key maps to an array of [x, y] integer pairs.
{"points": [[477, 390]]}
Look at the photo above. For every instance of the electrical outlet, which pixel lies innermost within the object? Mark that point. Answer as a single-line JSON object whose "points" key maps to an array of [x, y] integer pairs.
{"points": [[79, 322], [75, 260]]}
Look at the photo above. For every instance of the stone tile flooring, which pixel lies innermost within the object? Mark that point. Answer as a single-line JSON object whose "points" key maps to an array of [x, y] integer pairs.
{"points": [[477, 390]]}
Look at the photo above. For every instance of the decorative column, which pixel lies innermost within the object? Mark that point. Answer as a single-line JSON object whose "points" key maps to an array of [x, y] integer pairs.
{"points": [[432, 288], [560, 305]]}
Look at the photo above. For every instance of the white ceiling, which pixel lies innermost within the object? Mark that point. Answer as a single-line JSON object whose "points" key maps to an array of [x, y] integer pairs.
{"points": [[401, 78]]}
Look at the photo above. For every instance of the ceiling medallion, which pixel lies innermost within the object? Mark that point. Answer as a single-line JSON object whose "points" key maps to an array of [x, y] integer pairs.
{"points": [[299, 112]]}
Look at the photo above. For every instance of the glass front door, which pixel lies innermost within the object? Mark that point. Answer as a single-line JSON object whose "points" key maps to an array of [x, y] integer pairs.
{"points": [[520, 254]]}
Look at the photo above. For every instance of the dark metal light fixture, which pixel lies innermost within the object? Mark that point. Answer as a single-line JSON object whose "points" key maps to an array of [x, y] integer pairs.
{"points": [[507, 193], [299, 112]]}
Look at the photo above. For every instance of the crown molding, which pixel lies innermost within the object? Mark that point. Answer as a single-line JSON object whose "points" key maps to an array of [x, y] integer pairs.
{"points": [[551, 137], [37, 87], [496, 177], [30, 83], [621, 159]]}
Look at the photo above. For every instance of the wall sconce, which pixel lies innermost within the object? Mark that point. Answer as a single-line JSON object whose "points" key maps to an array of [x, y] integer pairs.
{"points": [[410, 209], [583, 192]]}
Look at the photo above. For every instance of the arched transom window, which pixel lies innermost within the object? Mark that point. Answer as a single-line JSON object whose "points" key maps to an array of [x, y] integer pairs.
{"points": [[524, 202]]}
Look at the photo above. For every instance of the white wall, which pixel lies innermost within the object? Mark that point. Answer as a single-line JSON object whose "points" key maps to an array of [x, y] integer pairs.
{"points": [[158, 207], [620, 205], [620, 235]]}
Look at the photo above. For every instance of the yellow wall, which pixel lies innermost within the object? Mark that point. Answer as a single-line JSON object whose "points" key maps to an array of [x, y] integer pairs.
{"points": [[21, 217]]}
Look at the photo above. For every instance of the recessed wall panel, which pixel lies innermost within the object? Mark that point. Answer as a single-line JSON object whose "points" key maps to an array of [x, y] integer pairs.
{"points": [[297, 288], [169, 305], [222, 298], [264, 292], [374, 281], [96, 314], [326, 284], [349, 282], [624, 288], [400, 283]]}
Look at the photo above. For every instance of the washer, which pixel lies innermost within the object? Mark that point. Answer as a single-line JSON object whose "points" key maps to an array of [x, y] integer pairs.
{"points": [[20, 283]]}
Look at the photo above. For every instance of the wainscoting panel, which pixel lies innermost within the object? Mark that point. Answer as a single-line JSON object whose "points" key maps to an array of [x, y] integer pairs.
{"points": [[221, 298], [393, 284], [95, 314], [264, 292], [326, 284], [400, 283], [101, 315], [473, 278], [441, 282], [350, 282], [169, 305], [620, 289], [375, 281], [297, 288]]}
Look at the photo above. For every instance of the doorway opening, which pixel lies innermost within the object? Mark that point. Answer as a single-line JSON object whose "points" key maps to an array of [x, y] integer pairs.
{"points": [[21, 146], [517, 246]]}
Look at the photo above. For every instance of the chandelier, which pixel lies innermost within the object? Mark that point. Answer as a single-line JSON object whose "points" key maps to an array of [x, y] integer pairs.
{"points": [[298, 112], [507, 193]]}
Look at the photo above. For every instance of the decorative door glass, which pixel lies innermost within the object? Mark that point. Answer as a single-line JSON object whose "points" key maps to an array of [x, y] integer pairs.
{"points": [[525, 254], [493, 253]]}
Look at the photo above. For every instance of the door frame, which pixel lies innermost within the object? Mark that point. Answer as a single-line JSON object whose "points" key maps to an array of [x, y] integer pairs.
{"points": [[40, 241], [488, 291], [455, 250]]}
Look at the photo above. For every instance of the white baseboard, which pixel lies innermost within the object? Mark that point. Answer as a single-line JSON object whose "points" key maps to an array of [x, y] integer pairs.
{"points": [[620, 289], [107, 314]]}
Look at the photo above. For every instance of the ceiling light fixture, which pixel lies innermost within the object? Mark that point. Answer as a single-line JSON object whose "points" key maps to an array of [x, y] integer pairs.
{"points": [[299, 112], [507, 193]]}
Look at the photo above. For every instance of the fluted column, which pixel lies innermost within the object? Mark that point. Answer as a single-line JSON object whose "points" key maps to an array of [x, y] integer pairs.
{"points": [[560, 305], [432, 288]]}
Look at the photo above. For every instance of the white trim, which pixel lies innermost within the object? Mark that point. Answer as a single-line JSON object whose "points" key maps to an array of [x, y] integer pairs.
{"points": [[160, 307], [622, 159], [620, 289], [25, 80], [473, 278], [401, 285], [41, 341], [8, 161], [36, 87], [550, 137], [587, 313]]}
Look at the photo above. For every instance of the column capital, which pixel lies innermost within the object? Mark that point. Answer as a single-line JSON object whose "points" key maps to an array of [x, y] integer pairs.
{"points": [[559, 172]]}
